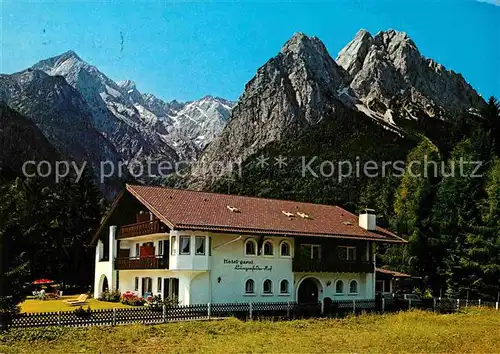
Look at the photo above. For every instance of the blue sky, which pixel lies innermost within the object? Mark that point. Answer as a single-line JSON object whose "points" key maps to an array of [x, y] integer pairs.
{"points": [[186, 50]]}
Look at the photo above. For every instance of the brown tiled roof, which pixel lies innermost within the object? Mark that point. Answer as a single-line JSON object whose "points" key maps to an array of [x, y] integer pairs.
{"points": [[185, 209]]}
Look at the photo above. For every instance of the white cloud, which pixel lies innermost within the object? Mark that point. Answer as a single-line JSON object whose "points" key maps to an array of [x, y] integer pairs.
{"points": [[492, 2]]}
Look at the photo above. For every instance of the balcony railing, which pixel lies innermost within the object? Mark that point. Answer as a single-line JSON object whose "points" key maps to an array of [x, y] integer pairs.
{"points": [[140, 228], [305, 264], [150, 262]]}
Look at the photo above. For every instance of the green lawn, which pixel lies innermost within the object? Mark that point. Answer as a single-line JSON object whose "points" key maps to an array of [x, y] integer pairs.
{"points": [[32, 305], [474, 331]]}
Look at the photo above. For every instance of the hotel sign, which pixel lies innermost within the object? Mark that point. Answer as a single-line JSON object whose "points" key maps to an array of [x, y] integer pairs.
{"points": [[247, 265]]}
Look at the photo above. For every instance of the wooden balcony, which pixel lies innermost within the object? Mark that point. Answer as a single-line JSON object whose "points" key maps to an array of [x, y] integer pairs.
{"points": [[150, 262], [303, 264], [140, 228]]}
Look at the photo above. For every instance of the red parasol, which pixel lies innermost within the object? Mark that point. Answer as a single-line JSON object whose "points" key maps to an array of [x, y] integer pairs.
{"points": [[42, 281]]}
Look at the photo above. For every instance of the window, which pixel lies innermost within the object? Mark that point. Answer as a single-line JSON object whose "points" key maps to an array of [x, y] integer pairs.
{"points": [[285, 249], [250, 247], [160, 248], [310, 251], [284, 287], [250, 286], [185, 245], [268, 287], [268, 248], [136, 284], [200, 245], [339, 287], [137, 250], [347, 253], [158, 285], [379, 286], [353, 287], [174, 245], [209, 246]]}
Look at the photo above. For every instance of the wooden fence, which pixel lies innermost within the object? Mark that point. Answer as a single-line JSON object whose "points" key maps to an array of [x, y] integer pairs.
{"points": [[278, 310]]}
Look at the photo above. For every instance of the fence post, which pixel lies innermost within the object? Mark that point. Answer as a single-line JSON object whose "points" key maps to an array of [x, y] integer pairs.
{"points": [[209, 310], [164, 316], [466, 303], [250, 310], [496, 305], [288, 309], [353, 306], [322, 304], [383, 304], [114, 316], [458, 304], [434, 304], [479, 302], [409, 304]]}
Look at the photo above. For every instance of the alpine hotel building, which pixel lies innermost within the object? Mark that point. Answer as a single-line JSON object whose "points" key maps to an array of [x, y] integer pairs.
{"points": [[217, 248]]}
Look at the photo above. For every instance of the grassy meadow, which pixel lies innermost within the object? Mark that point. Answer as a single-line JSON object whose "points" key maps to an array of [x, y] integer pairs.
{"points": [[473, 331]]}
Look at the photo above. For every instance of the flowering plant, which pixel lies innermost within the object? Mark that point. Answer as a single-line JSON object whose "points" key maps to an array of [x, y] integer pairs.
{"points": [[156, 302], [129, 298], [110, 296]]}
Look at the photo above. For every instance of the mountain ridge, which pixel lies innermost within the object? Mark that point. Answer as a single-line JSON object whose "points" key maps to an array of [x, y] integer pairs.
{"points": [[148, 119], [303, 84], [380, 77]]}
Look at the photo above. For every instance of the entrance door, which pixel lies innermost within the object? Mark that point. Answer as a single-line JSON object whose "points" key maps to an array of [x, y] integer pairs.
{"points": [[308, 292], [105, 285]]}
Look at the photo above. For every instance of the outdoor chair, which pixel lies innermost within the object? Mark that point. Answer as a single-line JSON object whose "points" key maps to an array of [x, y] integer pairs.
{"points": [[52, 296], [82, 299]]}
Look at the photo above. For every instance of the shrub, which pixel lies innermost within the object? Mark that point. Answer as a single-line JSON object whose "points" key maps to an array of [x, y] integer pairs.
{"points": [[80, 312], [131, 299], [156, 302], [110, 296], [427, 294]]}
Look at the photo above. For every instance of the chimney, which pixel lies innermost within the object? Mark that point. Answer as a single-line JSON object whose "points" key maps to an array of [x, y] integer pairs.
{"points": [[368, 219]]}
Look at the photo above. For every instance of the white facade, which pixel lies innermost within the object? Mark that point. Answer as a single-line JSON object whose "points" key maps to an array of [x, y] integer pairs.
{"points": [[216, 269]]}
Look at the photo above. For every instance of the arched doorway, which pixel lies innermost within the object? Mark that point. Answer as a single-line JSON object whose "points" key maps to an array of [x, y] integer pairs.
{"points": [[103, 284], [308, 292]]}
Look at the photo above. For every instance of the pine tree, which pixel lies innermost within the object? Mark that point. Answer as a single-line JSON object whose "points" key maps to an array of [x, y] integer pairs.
{"points": [[13, 264], [457, 216], [412, 207]]}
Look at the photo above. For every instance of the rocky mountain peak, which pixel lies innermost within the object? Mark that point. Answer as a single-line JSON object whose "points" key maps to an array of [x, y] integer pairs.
{"points": [[127, 85], [307, 59], [393, 38], [70, 54], [305, 73], [353, 55], [294, 90], [388, 68], [301, 43], [62, 64]]}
